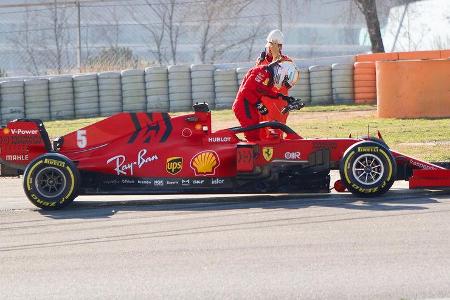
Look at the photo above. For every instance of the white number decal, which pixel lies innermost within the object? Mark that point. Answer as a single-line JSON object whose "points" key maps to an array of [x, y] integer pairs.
{"points": [[81, 138]]}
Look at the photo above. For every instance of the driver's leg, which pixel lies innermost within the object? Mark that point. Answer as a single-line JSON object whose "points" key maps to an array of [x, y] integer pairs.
{"points": [[247, 115]]}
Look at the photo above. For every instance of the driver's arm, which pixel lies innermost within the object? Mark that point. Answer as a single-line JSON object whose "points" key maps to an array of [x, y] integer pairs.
{"points": [[263, 85]]}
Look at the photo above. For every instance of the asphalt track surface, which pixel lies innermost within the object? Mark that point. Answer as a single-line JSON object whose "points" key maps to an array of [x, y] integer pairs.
{"points": [[314, 246]]}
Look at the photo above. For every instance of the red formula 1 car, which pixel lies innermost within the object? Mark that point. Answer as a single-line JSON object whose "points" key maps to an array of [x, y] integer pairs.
{"points": [[154, 153]]}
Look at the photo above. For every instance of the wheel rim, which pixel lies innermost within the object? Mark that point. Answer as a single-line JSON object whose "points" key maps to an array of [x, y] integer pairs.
{"points": [[368, 169], [50, 182]]}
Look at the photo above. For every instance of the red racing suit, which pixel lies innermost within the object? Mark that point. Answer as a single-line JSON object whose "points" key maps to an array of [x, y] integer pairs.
{"points": [[275, 106], [255, 84]]}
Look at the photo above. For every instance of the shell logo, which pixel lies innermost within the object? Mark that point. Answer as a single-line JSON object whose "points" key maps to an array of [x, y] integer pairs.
{"points": [[205, 163], [6, 131]]}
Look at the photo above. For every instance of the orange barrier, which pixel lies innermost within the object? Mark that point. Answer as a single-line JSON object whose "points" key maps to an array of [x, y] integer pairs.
{"points": [[365, 77], [364, 65], [419, 55], [412, 89], [432, 54], [366, 89], [364, 82], [376, 57]]}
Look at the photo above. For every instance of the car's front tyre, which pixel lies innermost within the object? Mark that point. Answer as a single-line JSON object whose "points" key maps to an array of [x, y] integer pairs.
{"points": [[368, 169]]}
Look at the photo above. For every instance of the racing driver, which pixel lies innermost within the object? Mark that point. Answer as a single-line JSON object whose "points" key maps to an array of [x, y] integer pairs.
{"points": [[258, 82], [272, 52]]}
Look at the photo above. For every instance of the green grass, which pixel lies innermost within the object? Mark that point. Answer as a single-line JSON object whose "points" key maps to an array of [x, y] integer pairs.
{"points": [[427, 139], [421, 138]]}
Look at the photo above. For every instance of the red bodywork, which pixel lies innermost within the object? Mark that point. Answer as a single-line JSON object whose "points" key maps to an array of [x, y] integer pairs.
{"points": [[183, 149]]}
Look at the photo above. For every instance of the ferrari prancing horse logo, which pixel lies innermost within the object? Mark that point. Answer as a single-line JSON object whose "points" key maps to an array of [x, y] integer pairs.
{"points": [[267, 153]]}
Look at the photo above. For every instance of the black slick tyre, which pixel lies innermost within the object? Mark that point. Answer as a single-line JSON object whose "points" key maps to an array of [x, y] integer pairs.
{"points": [[368, 169], [51, 181]]}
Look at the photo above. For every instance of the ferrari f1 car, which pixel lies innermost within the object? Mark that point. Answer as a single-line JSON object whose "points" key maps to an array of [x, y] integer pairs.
{"points": [[154, 153]]}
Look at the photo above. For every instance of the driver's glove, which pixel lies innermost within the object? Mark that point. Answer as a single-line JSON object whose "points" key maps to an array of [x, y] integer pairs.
{"points": [[288, 99], [262, 108], [296, 104]]}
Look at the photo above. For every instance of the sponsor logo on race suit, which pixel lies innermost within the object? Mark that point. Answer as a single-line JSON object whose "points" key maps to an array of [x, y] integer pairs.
{"points": [[219, 139], [205, 163], [267, 153], [123, 167], [174, 165], [185, 182], [259, 77], [292, 155]]}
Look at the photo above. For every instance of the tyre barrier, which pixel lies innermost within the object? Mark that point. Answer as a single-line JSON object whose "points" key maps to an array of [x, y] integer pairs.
{"points": [[37, 104], [320, 81], [302, 89], [61, 97], [86, 100], [157, 88], [180, 91], [342, 83], [241, 74], [203, 84], [133, 91], [364, 80], [226, 87], [109, 93], [12, 102]]}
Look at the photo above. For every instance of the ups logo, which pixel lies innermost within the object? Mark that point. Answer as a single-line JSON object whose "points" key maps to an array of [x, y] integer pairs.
{"points": [[174, 165]]}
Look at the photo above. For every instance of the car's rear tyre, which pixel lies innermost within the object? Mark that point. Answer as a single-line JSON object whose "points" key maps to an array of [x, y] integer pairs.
{"points": [[51, 181], [368, 169]]}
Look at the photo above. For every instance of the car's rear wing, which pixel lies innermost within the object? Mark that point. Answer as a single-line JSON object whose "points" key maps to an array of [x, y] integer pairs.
{"points": [[21, 141]]}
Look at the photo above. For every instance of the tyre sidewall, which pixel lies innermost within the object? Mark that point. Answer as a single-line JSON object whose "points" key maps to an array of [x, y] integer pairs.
{"points": [[383, 154], [65, 166]]}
